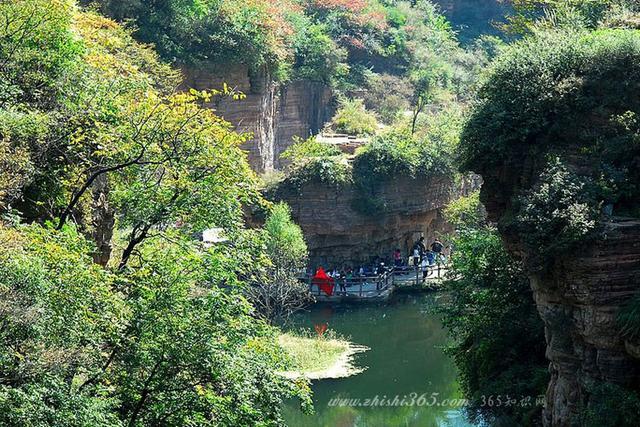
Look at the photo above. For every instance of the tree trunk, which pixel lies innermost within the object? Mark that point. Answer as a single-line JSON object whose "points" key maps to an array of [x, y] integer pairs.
{"points": [[102, 221]]}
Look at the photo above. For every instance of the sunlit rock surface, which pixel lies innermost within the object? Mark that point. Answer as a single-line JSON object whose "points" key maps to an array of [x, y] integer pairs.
{"points": [[271, 112]]}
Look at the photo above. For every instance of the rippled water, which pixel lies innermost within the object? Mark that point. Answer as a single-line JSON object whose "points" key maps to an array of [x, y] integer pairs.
{"points": [[406, 360]]}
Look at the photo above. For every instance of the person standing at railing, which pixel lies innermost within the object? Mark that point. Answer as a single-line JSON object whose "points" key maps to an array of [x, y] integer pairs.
{"points": [[437, 247], [425, 268], [415, 259], [342, 282], [420, 245], [431, 258], [397, 258]]}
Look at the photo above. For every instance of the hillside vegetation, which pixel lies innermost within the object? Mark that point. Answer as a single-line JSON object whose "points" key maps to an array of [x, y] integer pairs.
{"points": [[111, 313]]}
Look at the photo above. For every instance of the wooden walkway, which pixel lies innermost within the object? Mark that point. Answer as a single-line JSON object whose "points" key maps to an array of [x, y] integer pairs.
{"points": [[379, 287]]}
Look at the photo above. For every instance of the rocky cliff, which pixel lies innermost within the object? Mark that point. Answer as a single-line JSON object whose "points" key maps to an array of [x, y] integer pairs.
{"points": [[474, 18], [271, 112], [559, 162], [578, 299], [339, 235]]}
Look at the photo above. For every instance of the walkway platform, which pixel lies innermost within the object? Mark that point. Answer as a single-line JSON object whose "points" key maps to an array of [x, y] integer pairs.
{"points": [[379, 287]]}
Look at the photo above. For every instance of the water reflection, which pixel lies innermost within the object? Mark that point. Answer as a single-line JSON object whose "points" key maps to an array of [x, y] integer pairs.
{"points": [[406, 363]]}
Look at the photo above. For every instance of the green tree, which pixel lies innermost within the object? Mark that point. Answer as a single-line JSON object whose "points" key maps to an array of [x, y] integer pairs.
{"points": [[428, 83], [317, 56], [498, 336], [276, 291], [58, 311], [466, 213], [353, 118], [192, 352], [96, 144]]}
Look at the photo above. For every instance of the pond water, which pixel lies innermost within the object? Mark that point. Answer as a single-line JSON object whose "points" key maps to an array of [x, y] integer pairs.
{"points": [[406, 362]]}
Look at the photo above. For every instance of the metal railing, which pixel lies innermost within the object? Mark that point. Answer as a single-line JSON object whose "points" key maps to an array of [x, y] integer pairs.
{"points": [[372, 286], [360, 286]]}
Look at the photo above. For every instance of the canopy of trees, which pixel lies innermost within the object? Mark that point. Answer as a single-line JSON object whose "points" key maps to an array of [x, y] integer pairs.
{"points": [[544, 99], [112, 314]]}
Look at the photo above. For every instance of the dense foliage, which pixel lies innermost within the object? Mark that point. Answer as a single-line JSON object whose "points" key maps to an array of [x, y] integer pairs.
{"points": [[498, 336], [611, 405], [303, 150], [254, 33], [545, 99], [466, 212], [352, 118], [529, 16], [162, 344], [275, 290], [557, 213], [112, 314], [350, 45], [393, 154], [313, 37]]}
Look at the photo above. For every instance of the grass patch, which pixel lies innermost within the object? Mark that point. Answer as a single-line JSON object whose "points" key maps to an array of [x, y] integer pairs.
{"points": [[311, 353]]}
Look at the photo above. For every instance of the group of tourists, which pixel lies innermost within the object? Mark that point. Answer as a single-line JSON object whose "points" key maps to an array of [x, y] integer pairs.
{"points": [[346, 275], [424, 258], [421, 257]]}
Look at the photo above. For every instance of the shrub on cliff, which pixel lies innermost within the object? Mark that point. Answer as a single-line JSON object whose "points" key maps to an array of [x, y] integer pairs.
{"points": [[330, 171], [304, 150], [568, 94], [389, 96], [352, 118], [556, 214], [396, 151], [311, 162], [393, 155]]}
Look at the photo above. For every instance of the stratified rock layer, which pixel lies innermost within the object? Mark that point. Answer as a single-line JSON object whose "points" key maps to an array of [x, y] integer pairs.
{"points": [[272, 113], [579, 301], [340, 236]]}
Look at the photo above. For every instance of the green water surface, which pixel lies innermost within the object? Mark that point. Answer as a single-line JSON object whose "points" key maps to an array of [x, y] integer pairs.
{"points": [[406, 362]]}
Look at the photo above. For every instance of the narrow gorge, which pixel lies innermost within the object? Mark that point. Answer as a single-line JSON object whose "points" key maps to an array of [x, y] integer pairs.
{"points": [[319, 213]]}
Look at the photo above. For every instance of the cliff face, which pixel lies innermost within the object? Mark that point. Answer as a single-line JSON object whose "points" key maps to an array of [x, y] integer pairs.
{"points": [[579, 299], [473, 18], [271, 112], [337, 235]]}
